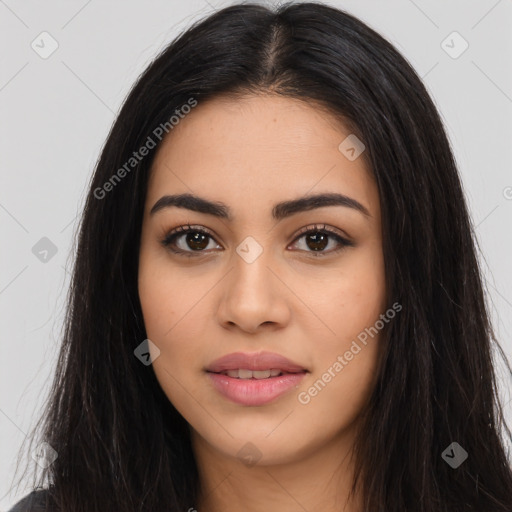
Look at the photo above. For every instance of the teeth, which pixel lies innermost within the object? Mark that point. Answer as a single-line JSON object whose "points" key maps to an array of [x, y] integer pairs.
{"points": [[245, 374], [249, 374]]}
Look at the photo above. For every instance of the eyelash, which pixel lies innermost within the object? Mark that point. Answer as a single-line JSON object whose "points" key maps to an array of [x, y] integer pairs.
{"points": [[170, 238]]}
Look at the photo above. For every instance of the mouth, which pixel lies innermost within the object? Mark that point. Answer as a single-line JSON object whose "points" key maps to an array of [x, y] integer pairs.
{"points": [[260, 365], [254, 379], [254, 391], [243, 373]]}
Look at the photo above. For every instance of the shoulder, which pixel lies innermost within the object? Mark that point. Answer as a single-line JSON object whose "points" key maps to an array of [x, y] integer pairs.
{"points": [[36, 501]]}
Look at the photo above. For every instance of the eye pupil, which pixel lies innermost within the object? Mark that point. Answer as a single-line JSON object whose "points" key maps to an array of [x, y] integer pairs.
{"points": [[197, 238], [319, 241]]}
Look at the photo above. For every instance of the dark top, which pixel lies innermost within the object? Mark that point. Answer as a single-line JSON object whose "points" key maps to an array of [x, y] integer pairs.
{"points": [[33, 502]]}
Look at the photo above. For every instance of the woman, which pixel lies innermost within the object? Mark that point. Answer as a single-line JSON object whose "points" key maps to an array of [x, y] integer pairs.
{"points": [[276, 302]]}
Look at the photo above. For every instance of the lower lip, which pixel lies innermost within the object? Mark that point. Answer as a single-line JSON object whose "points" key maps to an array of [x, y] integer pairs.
{"points": [[254, 391]]}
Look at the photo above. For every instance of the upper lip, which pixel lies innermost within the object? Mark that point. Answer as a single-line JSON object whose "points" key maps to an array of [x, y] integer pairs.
{"points": [[255, 361]]}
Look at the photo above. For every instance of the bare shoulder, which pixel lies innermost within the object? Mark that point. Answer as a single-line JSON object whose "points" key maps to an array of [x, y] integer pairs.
{"points": [[36, 501]]}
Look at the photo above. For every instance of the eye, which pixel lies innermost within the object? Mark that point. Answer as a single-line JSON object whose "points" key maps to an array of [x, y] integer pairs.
{"points": [[187, 240], [318, 238], [193, 240]]}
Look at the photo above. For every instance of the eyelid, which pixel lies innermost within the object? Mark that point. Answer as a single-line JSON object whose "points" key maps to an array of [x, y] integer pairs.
{"points": [[323, 227], [189, 227]]}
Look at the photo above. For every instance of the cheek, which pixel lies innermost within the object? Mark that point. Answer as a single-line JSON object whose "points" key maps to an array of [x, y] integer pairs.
{"points": [[176, 313], [351, 305], [350, 298], [170, 308], [166, 296], [172, 320]]}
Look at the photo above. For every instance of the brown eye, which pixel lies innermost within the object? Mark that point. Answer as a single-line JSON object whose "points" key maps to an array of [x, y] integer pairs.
{"points": [[187, 240], [318, 239], [196, 240]]}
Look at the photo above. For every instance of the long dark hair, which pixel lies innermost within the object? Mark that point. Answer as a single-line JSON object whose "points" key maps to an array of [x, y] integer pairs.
{"points": [[122, 446]]}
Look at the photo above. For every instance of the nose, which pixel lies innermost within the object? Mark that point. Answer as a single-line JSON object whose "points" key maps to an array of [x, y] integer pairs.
{"points": [[253, 298]]}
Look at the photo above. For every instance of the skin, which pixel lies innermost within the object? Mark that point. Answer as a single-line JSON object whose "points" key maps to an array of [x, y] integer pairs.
{"points": [[251, 153]]}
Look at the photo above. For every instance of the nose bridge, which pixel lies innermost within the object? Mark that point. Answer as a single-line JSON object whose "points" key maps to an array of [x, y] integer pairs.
{"points": [[251, 275], [252, 293]]}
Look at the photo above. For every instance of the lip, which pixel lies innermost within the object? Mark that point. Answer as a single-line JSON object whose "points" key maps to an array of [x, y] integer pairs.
{"points": [[254, 361], [254, 392]]}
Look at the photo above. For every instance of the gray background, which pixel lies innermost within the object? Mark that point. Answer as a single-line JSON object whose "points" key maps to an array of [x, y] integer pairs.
{"points": [[56, 113]]}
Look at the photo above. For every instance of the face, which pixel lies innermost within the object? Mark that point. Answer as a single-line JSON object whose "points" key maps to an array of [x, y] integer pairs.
{"points": [[303, 280]]}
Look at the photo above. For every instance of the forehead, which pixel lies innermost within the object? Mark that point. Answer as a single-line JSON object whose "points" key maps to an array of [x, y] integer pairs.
{"points": [[252, 150]]}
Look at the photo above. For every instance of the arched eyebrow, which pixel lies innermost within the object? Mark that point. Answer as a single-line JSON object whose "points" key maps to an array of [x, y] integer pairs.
{"points": [[279, 211]]}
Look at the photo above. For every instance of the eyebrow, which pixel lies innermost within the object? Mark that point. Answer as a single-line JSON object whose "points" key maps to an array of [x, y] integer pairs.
{"points": [[279, 211]]}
